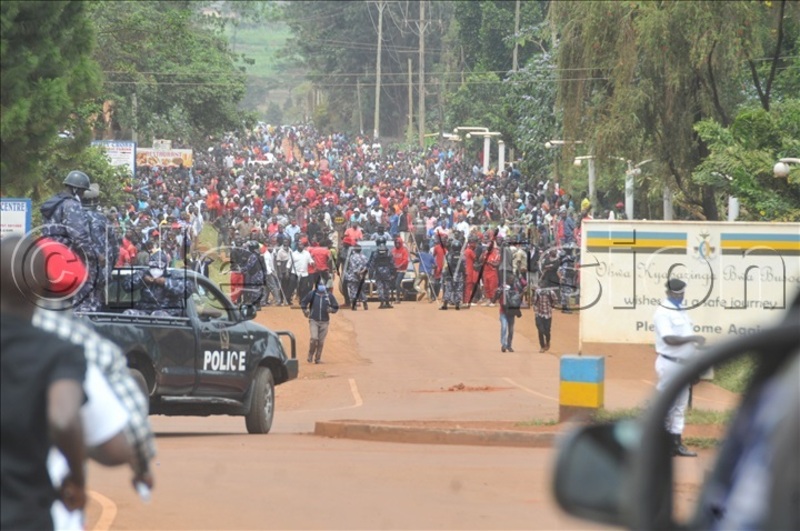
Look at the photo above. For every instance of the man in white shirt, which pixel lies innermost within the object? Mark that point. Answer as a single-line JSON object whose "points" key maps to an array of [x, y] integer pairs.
{"points": [[675, 345], [271, 278], [302, 260]]}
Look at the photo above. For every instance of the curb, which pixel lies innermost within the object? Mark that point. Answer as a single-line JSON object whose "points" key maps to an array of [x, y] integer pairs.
{"points": [[406, 434]]}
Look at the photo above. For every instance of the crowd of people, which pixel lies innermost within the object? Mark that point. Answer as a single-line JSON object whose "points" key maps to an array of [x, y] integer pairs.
{"points": [[291, 206]]}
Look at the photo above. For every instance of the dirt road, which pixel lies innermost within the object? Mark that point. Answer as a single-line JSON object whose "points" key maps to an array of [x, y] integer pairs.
{"points": [[411, 363]]}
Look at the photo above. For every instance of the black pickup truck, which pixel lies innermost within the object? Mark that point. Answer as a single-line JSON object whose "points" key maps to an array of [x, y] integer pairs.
{"points": [[210, 359]]}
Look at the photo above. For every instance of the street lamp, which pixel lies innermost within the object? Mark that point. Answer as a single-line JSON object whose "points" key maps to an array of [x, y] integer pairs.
{"points": [[486, 145], [634, 170], [469, 128], [781, 168], [550, 144]]}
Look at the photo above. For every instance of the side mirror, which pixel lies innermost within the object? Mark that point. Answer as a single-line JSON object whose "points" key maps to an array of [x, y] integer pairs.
{"points": [[591, 470], [248, 311]]}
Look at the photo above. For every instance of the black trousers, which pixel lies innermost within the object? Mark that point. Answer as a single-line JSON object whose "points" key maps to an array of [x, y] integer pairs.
{"points": [[543, 327]]}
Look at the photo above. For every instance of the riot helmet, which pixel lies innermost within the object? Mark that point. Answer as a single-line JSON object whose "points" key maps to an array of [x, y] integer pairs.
{"points": [[77, 179]]}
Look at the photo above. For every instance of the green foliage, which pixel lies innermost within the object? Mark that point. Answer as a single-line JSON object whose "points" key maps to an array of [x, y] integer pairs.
{"points": [[534, 119], [64, 155], [645, 73], [47, 74], [337, 44], [741, 158], [174, 62]]}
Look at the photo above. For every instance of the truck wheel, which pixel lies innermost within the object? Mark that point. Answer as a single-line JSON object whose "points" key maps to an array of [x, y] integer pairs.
{"points": [[141, 383], [262, 407]]}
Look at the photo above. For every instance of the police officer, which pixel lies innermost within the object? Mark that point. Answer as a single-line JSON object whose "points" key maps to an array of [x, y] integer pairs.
{"points": [[355, 275], [64, 219], [384, 273], [162, 294], [105, 250], [253, 271], [453, 276], [675, 345]]}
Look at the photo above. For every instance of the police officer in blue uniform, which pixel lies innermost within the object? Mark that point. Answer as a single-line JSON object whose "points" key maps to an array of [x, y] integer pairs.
{"points": [[105, 251], [384, 272], [162, 293], [64, 218]]}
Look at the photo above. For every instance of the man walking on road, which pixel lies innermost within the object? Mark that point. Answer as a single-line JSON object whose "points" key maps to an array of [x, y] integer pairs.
{"points": [[317, 305], [675, 346], [544, 299]]}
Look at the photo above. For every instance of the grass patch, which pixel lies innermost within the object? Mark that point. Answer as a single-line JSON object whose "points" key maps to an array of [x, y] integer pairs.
{"points": [[736, 374], [613, 415], [693, 416], [707, 416], [536, 422], [703, 443]]}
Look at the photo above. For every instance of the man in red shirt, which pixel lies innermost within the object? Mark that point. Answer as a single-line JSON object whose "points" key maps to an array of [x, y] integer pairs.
{"points": [[322, 262], [401, 259], [439, 253], [353, 234], [469, 265]]}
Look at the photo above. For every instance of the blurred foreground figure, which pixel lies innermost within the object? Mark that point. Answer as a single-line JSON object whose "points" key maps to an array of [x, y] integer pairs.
{"points": [[42, 393]]}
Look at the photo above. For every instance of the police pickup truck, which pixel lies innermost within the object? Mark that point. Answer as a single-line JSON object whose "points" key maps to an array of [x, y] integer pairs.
{"points": [[207, 359]]}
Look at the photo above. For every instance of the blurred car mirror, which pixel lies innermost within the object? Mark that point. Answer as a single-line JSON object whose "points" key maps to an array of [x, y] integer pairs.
{"points": [[591, 468]]}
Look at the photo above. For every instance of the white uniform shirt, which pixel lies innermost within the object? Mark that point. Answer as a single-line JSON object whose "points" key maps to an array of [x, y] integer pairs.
{"points": [[102, 416], [670, 321]]}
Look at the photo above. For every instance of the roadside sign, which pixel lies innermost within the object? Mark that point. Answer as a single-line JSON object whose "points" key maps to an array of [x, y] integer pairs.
{"points": [[119, 153], [15, 216]]}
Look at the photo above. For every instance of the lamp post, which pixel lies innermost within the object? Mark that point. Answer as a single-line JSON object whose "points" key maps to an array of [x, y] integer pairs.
{"points": [[781, 168], [633, 171], [487, 135]]}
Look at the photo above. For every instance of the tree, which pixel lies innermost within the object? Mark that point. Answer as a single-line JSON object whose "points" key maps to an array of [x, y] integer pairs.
{"points": [[650, 71], [742, 156], [170, 71], [47, 74], [337, 44]]}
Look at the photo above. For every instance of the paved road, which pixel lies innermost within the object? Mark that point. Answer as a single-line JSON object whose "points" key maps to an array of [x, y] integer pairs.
{"points": [[378, 365]]}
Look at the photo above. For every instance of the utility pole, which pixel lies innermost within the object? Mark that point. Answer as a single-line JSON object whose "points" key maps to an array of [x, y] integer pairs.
{"points": [[135, 107], [516, 39], [410, 103], [422, 73], [360, 111], [515, 56], [376, 131]]}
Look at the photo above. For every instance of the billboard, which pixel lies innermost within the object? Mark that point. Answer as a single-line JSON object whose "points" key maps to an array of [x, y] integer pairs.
{"points": [[740, 276], [119, 153], [164, 157], [15, 216]]}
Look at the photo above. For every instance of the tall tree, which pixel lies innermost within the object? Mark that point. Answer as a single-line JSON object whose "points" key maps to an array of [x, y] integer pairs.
{"points": [[337, 43], [170, 71], [650, 71], [47, 73]]}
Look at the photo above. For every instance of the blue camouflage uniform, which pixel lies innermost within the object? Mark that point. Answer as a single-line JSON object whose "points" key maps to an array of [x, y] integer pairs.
{"points": [[155, 299], [453, 276], [357, 265], [384, 273], [253, 270], [104, 243], [65, 222]]}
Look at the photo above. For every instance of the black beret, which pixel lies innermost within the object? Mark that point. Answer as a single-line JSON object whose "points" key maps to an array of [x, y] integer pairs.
{"points": [[676, 285]]}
